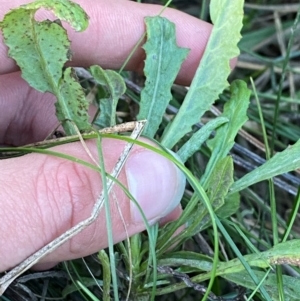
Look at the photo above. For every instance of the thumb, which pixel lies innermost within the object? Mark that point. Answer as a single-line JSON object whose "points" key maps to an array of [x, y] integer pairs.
{"points": [[43, 196]]}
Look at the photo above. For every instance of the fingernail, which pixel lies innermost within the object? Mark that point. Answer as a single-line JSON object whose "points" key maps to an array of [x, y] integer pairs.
{"points": [[155, 183]]}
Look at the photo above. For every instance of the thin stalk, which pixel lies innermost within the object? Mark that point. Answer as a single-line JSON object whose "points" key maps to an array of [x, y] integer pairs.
{"points": [[292, 217], [108, 220], [284, 69], [272, 196]]}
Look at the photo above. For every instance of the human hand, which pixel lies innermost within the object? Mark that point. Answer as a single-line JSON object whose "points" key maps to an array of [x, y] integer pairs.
{"points": [[43, 196]]}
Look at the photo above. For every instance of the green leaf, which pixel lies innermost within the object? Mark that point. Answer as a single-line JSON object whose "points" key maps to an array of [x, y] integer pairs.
{"points": [[163, 61], [104, 259], [220, 181], [236, 111], [283, 253], [114, 84], [231, 206], [198, 138], [87, 281], [291, 285], [283, 162], [253, 38], [233, 270], [39, 48], [65, 10], [211, 76], [72, 104], [104, 117]]}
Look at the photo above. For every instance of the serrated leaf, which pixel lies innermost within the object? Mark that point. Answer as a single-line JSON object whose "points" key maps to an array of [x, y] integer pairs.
{"points": [[39, 48], [198, 138], [65, 10], [114, 84], [211, 76], [72, 104], [236, 111], [283, 162], [163, 61]]}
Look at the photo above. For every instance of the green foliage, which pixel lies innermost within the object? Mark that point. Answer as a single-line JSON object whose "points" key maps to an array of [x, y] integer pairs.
{"points": [[282, 162], [106, 274], [220, 181], [84, 281], [115, 86], [283, 253], [65, 10], [211, 76], [291, 285], [71, 107], [198, 138], [236, 111], [163, 61], [41, 49]]}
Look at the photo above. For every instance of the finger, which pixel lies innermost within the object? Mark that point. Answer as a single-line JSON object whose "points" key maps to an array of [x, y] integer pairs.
{"points": [[26, 115], [115, 28], [50, 195], [174, 215], [29, 115]]}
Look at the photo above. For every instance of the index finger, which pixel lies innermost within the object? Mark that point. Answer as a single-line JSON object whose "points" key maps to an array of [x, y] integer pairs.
{"points": [[115, 28]]}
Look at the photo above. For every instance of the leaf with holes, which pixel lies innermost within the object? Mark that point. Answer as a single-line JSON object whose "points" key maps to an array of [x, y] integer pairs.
{"points": [[41, 49]]}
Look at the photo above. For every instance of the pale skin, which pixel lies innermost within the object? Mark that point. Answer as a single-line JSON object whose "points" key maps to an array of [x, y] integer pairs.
{"points": [[41, 197]]}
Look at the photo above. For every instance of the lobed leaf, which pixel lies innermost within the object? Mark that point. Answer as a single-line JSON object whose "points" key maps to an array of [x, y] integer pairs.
{"points": [[163, 61], [211, 76]]}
